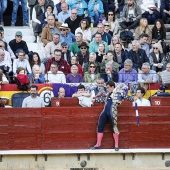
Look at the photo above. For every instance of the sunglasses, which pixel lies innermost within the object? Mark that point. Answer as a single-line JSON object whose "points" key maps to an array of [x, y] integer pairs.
{"points": [[106, 25], [1, 46], [74, 13], [114, 39], [64, 47], [110, 14], [92, 66], [62, 29], [83, 48], [155, 48]]}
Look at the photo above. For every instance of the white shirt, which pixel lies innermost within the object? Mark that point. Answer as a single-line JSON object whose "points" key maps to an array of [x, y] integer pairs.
{"points": [[59, 77], [86, 33], [143, 102], [33, 102], [149, 3], [7, 63]]}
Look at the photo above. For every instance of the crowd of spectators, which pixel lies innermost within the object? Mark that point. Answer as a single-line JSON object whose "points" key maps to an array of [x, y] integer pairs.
{"points": [[74, 54]]}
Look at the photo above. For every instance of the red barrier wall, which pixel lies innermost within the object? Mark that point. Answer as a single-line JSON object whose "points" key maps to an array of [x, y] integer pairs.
{"points": [[75, 128]]}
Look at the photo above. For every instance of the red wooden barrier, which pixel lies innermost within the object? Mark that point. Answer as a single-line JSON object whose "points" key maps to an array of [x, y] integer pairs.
{"points": [[160, 101]]}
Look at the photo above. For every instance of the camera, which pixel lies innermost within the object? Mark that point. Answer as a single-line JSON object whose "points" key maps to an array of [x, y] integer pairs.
{"points": [[131, 17], [101, 89]]}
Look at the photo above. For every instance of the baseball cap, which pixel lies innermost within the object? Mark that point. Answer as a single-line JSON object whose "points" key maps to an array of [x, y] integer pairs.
{"points": [[162, 87], [18, 33]]}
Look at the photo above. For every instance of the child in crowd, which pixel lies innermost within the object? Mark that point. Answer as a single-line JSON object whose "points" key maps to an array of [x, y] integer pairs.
{"points": [[22, 79]]}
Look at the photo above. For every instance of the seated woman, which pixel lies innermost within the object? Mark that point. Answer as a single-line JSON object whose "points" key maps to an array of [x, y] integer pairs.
{"points": [[84, 28], [101, 52], [22, 79], [92, 75], [35, 60], [157, 58], [115, 40], [110, 58], [143, 28]]}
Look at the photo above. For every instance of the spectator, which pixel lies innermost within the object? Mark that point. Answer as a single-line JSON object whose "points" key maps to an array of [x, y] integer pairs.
{"points": [[7, 54], [113, 5], [109, 74], [66, 35], [36, 76], [35, 60], [54, 75], [92, 75], [74, 47], [74, 76], [3, 79], [80, 6], [74, 61], [3, 6], [94, 45], [31, 4], [73, 21], [110, 58], [110, 17], [62, 64], [51, 46], [150, 11], [107, 28], [57, 7], [7, 47], [159, 33], [49, 30], [21, 62], [146, 75], [101, 52], [165, 75], [143, 28], [64, 14], [120, 55], [85, 30], [18, 44], [5, 65], [61, 92], [137, 55], [21, 79], [105, 36], [128, 74], [157, 58], [92, 58], [33, 100], [143, 38], [140, 100], [165, 10], [83, 55], [24, 11], [49, 2], [100, 91], [115, 40], [131, 15], [48, 12], [95, 11], [37, 14], [66, 54]]}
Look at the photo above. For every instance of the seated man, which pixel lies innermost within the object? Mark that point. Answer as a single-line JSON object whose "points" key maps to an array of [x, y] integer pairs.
{"points": [[18, 44], [140, 100], [33, 100], [21, 62], [54, 75], [128, 74], [109, 74], [83, 96], [61, 92], [36, 76], [49, 30], [74, 61], [74, 76], [131, 15], [62, 64], [146, 75]]}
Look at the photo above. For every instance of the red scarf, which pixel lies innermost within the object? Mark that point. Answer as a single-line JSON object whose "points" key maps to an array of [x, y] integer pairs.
{"points": [[23, 79]]}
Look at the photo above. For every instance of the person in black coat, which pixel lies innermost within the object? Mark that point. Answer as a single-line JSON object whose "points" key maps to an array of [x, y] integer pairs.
{"points": [[165, 10], [109, 74], [120, 55], [137, 55]]}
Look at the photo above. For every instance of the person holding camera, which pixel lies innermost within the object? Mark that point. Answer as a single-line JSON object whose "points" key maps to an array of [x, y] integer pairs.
{"points": [[131, 15]]}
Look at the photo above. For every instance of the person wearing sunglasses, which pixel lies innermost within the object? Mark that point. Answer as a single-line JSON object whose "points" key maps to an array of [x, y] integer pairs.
{"points": [[92, 75], [107, 28], [66, 35], [83, 54], [157, 58]]}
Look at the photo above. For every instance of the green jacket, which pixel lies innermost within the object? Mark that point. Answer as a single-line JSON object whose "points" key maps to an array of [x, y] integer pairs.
{"points": [[93, 46], [87, 78]]}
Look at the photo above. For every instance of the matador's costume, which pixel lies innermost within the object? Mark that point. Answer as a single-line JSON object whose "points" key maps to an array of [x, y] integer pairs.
{"points": [[110, 112]]}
